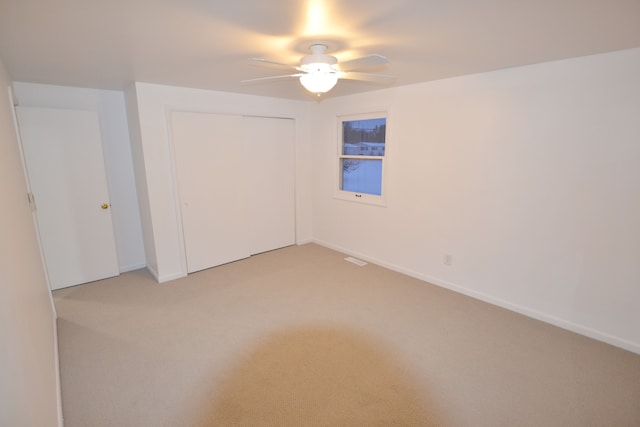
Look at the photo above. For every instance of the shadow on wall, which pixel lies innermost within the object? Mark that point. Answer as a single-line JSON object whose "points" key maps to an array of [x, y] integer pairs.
{"points": [[318, 377]]}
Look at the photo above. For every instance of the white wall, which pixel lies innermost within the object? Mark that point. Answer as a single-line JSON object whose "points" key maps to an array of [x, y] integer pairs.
{"points": [[110, 106], [131, 102], [529, 177], [149, 105], [28, 356]]}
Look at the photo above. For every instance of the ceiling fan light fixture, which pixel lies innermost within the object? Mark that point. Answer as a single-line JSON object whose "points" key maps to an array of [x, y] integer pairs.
{"points": [[319, 79], [319, 72]]}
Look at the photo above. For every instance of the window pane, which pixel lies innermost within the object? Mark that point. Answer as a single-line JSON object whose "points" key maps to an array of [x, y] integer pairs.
{"points": [[362, 176], [364, 137]]}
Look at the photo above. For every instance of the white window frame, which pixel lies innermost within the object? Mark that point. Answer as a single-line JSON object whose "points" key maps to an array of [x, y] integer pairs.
{"points": [[371, 199]]}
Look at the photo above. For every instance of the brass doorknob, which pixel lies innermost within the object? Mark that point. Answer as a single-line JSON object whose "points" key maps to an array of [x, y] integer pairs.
{"points": [[105, 206]]}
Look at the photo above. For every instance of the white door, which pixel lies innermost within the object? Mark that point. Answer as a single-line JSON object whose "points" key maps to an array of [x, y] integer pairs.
{"points": [[63, 156], [270, 153], [210, 166]]}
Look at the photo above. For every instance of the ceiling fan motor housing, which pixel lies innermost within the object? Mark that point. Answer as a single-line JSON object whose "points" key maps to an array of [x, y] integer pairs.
{"points": [[318, 61]]}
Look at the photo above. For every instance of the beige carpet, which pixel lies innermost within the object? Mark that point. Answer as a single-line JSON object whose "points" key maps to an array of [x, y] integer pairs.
{"points": [[317, 377], [300, 337]]}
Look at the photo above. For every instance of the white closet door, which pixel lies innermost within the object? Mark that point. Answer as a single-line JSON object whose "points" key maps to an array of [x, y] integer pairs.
{"points": [[210, 165], [270, 153], [65, 165]]}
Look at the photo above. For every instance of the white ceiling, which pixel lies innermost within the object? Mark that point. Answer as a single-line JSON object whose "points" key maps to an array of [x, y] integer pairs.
{"points": [[108, 44]]}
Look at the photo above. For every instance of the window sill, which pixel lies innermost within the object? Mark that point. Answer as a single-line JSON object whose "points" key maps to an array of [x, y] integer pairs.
{"points": [[368, 199]]}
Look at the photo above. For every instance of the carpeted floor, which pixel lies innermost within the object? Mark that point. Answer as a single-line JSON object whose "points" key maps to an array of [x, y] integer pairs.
{"points": [[300, 337], [318, 377]]}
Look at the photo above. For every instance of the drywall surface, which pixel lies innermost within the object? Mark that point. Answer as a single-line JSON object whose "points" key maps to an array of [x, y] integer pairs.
{"points": [[528, 177], [154, 158], [28, 372], [110, 106]]}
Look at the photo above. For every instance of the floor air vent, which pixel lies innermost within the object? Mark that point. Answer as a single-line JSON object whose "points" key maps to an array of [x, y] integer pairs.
{"points": [[355, 261]]}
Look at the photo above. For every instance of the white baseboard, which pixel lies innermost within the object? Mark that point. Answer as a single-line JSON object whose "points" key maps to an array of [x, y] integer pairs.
{"points": [[163, 279], [126, 268], [56, 359], [154, 273], [170, 277], [544, 317]]}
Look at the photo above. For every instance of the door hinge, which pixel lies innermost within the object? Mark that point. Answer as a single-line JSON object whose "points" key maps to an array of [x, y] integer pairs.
{"points": [[32, 201]]}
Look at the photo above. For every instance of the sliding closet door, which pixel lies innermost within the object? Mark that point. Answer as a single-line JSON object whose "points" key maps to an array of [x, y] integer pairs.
{"points": [[210, 164], [269, 146]]}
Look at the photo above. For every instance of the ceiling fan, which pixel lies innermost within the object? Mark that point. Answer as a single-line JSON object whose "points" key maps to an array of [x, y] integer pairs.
{"points": [[319, 72]]}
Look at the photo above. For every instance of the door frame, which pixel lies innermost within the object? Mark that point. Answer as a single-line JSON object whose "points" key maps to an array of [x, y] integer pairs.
{"points": [[29, 194]]}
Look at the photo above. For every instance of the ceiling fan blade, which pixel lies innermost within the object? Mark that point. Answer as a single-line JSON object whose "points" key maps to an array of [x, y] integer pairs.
{"points": [[369, 77], [272, 78], [364, 62], [274, 64]]}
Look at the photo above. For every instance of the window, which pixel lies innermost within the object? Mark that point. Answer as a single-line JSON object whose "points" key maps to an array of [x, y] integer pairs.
{"points": [[362, 141]]}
